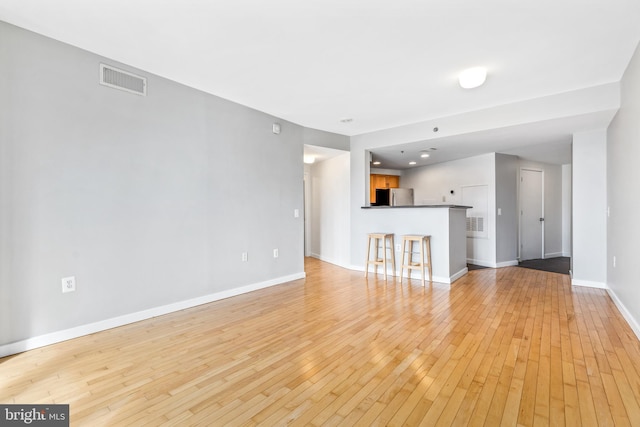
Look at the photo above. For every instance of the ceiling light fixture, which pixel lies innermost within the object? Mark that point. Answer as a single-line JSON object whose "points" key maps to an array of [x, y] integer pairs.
{"points": [[412, 163], [376, 163], [424, 155], [472, 77]]}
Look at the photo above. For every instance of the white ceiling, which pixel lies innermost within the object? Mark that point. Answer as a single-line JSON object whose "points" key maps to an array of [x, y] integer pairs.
{"points": [[382, 63]]}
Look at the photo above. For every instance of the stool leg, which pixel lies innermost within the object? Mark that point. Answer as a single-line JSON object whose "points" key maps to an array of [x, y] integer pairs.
{"points": [[429, 258], [393, 257], [422, 260], [384, 256], [402, 261], [366, 263]]}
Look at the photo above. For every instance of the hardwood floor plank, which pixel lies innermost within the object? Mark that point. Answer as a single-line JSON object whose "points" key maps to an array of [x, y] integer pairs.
{"points": [[505, 346]]}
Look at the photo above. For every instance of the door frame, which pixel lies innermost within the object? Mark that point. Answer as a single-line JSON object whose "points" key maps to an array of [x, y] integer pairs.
{"points": [[520, 198]]}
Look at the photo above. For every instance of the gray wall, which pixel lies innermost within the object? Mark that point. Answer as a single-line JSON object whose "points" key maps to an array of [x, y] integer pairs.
{"points": [[623, 176], [507, 170], [145, 200]]}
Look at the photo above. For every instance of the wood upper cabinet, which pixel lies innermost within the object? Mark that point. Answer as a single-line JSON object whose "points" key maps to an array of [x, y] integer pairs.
{"points": [[381, 181]]}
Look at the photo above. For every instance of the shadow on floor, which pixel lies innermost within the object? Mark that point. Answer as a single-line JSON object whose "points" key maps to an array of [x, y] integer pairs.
{"points": [[554, 265]]}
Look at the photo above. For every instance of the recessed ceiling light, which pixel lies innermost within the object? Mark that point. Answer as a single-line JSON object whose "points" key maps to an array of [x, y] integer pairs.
{"points": [[376, 163], [347, 120], [424, 155], [472, 77], [412, 163]]}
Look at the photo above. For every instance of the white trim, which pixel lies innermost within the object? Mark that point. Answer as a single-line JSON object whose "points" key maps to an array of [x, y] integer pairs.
{"points": [[553, 255], [459, 274], [589, 284], [635, 327], [329, 260], [492, 264], [507, 263], [102, 325], [414, 274], [481, 263], [567, 254]]}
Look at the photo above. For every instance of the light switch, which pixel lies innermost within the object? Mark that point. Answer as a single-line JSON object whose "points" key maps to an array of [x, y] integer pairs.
{"points": [[499, 211], [296, 213]]}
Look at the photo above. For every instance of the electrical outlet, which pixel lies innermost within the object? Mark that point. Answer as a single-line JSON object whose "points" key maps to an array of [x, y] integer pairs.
{"points": [[68, 284], [245, 256], [275, 253]]}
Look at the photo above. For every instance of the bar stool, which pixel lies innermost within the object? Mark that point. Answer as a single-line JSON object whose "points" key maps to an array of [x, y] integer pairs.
{"points": [[385, 238], [423, 241]]}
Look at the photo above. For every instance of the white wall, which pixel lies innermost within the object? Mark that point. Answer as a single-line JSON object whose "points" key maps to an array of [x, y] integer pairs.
{"points": [[589, 208], [433, 185], [552, 206], [623, 177], [148, 201], [330, 230], [566, 210]]}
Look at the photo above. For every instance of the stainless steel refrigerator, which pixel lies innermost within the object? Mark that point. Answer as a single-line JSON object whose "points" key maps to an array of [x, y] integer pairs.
{"points": [[394, 197]]}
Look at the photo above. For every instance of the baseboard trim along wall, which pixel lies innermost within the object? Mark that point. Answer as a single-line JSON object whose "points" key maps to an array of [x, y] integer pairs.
{"points": [[588, 284], [635, 327], [553, 255], [414, 274], [330, 261], [103, 325], [492, 264], [507, 263]]}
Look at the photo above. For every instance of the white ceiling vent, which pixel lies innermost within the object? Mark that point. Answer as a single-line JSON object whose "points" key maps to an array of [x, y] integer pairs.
{"points": [[123, 80]]}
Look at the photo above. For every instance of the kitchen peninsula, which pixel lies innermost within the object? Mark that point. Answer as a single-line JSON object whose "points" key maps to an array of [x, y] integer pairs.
{"points": [[446, 224]]}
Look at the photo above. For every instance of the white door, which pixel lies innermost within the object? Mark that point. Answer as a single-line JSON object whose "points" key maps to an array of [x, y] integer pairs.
{"points": [[531, 214]]}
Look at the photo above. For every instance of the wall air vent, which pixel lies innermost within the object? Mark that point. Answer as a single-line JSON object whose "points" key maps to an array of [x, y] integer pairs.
{"points": [[123, 80], [475, 224]]}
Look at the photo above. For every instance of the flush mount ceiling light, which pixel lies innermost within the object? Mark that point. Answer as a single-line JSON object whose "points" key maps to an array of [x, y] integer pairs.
{"points": [[424, 154], [376, 163], [472, 77], [412, 163]]}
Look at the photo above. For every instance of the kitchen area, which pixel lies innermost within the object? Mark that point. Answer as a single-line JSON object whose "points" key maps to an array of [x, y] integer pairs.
{"points": [[392, 209]]}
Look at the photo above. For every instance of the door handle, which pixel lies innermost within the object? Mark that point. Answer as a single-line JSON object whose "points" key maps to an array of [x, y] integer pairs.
{"points": [[541, 219]]}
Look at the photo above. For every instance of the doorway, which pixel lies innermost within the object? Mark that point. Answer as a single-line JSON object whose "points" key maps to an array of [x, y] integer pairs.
{"points": [[531, 214]]}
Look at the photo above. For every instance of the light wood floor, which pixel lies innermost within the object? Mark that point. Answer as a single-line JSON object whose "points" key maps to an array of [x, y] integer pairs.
{"points": [[508, 346]]}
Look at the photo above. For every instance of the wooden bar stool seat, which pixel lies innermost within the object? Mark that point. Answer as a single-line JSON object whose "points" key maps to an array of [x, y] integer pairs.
{"points": [[380, 241], [407, 247]]}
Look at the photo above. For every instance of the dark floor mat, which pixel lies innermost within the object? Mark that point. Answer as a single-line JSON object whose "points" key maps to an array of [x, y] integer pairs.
{"points": [[554, 265]]}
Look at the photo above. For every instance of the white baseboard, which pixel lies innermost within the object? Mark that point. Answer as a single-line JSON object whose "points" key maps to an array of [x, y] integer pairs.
{"points": [[589, 284], [481, 263], [553, 255], [330, 261], [102, 325], [459, 274], [414, 274], [635, 327], [507, 263]]}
